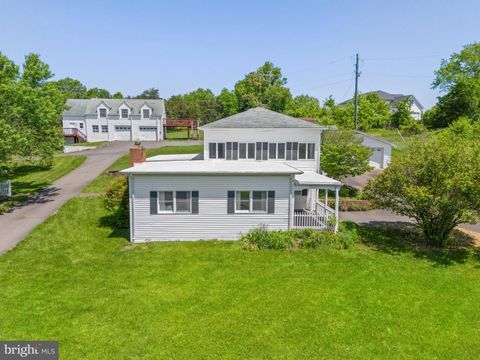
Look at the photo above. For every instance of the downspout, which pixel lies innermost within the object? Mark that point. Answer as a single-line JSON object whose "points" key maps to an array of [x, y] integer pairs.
{"points": [[290, 203], [131, 203]]}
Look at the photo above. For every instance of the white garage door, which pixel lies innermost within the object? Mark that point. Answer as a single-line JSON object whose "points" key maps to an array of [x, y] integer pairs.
{"points": [[148, 133], [376, 160], [122, 132]]}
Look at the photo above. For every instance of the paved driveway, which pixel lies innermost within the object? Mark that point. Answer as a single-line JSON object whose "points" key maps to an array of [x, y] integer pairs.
{"points": [[14, 226]]}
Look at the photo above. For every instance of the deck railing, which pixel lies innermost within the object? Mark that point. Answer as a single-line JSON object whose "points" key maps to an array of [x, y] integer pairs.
{"points": [[74, 132], [6, 189], [318, 219]]}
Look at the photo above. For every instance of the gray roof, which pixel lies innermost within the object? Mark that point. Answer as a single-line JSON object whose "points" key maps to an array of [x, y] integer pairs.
{"points": [[260, 118], [391, 99], [81, 107]]}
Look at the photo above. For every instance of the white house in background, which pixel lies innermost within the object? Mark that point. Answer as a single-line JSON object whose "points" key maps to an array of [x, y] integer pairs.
{"points": [[382, 150], [259, 168], [416, 109], [114, 120]]}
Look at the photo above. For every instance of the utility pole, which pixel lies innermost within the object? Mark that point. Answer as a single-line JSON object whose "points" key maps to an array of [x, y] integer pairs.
{"points": [[357, 74]]}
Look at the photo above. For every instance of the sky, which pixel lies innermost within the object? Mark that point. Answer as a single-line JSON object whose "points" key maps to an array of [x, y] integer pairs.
{"points": [[178, 46]]}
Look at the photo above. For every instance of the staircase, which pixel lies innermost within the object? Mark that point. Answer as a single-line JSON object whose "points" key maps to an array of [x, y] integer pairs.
{"points": [[77, 135]]}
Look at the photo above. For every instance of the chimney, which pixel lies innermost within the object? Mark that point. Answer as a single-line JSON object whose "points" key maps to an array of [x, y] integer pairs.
{"points": [[138, 154]]}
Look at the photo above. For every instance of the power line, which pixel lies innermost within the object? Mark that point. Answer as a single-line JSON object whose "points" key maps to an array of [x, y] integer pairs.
{"points": [[400, 75], [404, 57]]}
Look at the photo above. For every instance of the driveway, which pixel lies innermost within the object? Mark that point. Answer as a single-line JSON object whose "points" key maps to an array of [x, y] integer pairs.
{"points": [[385, 217], [15, 225], [360, 181]]}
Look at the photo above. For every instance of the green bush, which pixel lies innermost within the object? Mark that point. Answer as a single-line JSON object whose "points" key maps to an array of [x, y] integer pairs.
{"points": [[116, 202], [261, 238], [413, 127]]}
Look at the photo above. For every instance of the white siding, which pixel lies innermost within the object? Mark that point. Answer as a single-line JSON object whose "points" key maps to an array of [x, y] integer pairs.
{"points": [[377, 160], [212, 221], [274, 135]]}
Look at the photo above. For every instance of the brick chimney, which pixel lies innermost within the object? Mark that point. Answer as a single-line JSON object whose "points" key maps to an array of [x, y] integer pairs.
{"points": [[138, 154]]}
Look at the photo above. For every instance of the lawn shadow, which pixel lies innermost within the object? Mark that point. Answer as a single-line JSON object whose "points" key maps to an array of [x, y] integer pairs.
{"points": [[403, 237], [108, 221]]}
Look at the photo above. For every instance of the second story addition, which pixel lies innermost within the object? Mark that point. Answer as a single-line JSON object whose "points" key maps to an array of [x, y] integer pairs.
{"points": [[263, 135]]}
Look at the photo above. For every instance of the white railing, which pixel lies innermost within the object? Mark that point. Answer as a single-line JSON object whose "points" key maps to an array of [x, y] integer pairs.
{"points": [[324, 209], [322, 218], [6, 189]]}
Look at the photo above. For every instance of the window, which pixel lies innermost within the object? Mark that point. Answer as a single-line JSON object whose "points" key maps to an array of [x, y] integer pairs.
{"points": [[251, 201], [165, 201], [294, 150], [302, 151], [265, 151], [235, 151], [259, 151], [281, 151], [104, 128], [311, 151], [102, 112], [81, 125], [251, 150], [175, 202], [183, 201], [289, 151], [242, 151], [146, 113], [122, 128], [212, 150], [229, 151], [124, 113], [272, 151], [148, 128], [242, 200], [221, 150], [259, 201], [95, 128]]}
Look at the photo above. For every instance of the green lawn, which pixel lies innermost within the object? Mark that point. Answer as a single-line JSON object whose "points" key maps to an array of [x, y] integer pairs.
{"points": [[98, 185], [393, 136], [28, 178], [103, 298], [179, 134]]}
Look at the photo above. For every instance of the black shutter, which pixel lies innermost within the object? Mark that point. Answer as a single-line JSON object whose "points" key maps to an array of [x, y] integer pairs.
{"points": [[231, 202], [289, 151], [229, 151], [153, 203], [265, 151], [235, 151], [271, 202], [194, 202], [295, 151]]}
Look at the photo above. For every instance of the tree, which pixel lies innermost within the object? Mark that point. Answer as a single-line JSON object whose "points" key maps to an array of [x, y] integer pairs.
{"points": [[459, 79], [30, 113], [435, 182], [8, 70], [402, 113], [263, 87], [343, 154], [118, 95], [72, 88], [305, 106], [98, 93], [200, 104], [228, 102], [35, 71], [151, 93]]}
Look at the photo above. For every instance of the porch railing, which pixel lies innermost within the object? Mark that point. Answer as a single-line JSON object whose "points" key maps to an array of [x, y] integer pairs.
{"points": [[318, 219], [6, 189], [76, 133]]}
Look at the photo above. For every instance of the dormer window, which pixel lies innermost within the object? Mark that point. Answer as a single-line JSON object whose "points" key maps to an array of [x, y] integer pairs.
{"points": [[102, 112], [124, 113], [146, 113]]}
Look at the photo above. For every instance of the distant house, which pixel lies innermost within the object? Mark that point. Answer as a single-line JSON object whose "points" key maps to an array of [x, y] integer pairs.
{"points": [[259, 168], [393, 99], [114, 120], [382, 149]]}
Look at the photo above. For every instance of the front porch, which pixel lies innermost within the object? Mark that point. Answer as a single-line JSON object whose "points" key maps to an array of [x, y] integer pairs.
{"points": [[308, 210]]}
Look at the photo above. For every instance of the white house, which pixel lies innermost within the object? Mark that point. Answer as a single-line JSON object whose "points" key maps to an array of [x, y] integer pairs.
{"points": [[382, 149], [114, 119], [416, 109], [259, 168]]}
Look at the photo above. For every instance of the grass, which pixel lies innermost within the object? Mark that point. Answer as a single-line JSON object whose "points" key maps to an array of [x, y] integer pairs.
{"points": [[98, 185], [103, 298], [394, 136], [179, 134], [28, 179]]}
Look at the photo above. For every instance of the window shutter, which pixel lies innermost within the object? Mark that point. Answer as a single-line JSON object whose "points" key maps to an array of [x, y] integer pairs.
{"points": [[259, 151], [153, 203], [271, 202], [194, 202], [231, 202]]}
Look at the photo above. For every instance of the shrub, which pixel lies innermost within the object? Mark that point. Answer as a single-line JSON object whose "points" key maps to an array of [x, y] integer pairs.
{"points": [[261, 238], [413, 127], [116, 202]]}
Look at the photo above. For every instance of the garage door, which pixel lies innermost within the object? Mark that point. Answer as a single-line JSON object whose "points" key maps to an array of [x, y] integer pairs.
{"points": [[148, 133], [376, 160], [122, 132]]}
